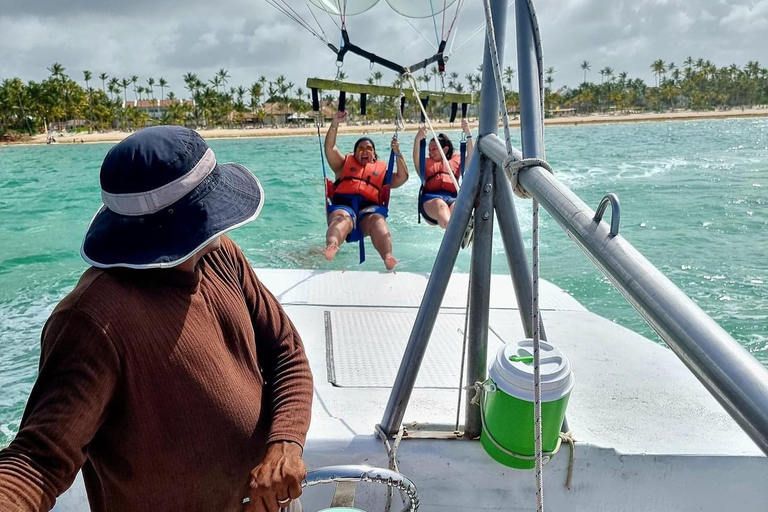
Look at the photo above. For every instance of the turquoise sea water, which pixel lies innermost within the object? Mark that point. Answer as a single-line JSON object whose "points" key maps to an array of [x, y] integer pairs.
{"points": [[693, 198]]}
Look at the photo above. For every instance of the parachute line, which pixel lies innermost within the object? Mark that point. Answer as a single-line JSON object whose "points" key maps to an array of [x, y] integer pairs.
{"points": [[318, 22], [291, 14], [477, 31], [422, 35]]}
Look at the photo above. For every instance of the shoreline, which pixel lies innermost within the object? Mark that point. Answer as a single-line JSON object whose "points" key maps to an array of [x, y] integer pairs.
{"points": [[237, 133]]}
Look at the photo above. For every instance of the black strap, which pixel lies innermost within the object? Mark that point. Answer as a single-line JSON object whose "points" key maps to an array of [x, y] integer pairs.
{"points": [[342, 101], [454, 109], [315, 100], [362, 103], [367, 181], [463, 110], [424, 103], [402, 106]]}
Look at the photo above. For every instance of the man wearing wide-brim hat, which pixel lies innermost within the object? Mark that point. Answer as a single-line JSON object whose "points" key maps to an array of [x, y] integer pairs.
{"points": [[170, 374]]}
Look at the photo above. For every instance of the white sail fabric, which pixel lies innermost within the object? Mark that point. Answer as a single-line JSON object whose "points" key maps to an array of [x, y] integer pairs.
{"points": [[419, 8], [344, 7]]}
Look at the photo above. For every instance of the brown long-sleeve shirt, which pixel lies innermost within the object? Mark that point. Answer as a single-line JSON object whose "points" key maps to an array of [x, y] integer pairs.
{"points": [[164, 386]]}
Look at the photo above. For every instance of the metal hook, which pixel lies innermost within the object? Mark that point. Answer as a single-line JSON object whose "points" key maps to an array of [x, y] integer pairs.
{"points": [[615, 212]]}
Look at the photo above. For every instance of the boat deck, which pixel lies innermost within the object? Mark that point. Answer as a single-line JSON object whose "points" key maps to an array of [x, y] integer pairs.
{"points": [[649, 436]]}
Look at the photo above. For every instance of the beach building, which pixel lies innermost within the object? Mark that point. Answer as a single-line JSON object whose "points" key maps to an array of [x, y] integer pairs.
{"points": [[156, 108]]}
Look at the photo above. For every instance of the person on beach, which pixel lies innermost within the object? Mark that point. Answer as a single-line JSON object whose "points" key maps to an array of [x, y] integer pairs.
{"points": [[359, 180], [170, 374], [438, 191]]}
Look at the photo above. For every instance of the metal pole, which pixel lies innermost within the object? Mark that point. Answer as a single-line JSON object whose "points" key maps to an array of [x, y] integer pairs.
{"points": [[515, 252], [433, 298], [489, 101], [479, 299], [531, 126], [731, 374]]}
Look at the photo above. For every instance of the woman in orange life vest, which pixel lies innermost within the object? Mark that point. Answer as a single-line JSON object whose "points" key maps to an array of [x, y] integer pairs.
{"points": [[439, 193], [360, 176]]}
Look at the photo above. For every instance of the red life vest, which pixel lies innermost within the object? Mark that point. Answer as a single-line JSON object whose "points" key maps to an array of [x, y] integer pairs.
{"points": [[437, 178], [365, 181]]}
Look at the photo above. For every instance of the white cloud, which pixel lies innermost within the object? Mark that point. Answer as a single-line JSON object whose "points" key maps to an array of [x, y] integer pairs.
{"points": [[747, 18], [249, 38]]}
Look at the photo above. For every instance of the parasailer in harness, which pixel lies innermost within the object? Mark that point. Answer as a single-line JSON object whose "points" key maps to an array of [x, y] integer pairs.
{"points": [[438, 192], [357, 202]]}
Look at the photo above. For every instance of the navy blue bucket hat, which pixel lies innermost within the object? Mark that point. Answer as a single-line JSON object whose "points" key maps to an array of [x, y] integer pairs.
{"points": [[165, 198]]}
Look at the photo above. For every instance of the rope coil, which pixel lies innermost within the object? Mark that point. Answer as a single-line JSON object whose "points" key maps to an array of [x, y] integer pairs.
{"points": [[512, 167], [392, 455]]}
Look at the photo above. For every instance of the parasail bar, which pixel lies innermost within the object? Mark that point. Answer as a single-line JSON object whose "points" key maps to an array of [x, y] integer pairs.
{"points": [[382, 90]]}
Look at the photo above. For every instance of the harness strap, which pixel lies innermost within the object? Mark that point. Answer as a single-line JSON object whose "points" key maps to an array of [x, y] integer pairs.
{"points": [[367, 181], [357, 228], [463, 153], [422, 172]]}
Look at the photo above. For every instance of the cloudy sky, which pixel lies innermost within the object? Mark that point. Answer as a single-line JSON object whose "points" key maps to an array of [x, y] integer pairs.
{"points": [[156, 38]]}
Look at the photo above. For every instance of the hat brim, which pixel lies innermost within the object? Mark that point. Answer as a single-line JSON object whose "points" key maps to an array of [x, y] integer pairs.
{"points": [[229, 198]]}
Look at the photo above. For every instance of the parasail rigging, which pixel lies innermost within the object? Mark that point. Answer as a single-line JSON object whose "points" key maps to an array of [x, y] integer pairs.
{"points": [[341, 9]]}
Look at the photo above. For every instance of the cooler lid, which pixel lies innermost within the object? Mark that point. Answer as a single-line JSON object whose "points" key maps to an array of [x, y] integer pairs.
{"points": [[512, 371]]}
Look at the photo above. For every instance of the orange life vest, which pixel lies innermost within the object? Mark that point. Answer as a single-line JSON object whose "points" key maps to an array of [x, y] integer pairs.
{"points": [[366, 181], [437, 178]]}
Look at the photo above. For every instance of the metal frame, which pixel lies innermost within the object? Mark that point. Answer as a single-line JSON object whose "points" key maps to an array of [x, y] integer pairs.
{"points": [[728, 371]]}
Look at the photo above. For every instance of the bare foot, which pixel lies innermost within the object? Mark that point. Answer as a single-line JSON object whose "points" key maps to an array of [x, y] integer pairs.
{"points": [[390, 262], [330, 251]]}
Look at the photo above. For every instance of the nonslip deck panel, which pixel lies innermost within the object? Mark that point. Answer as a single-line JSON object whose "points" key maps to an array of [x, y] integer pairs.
{"points": [[396, 290], [367, 347]]}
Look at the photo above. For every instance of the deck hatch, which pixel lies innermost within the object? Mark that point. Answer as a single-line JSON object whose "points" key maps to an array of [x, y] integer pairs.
{"points": [[364, 348]]}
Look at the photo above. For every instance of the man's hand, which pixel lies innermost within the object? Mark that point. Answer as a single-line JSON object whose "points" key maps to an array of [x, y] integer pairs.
{"points": [[421, 133], [338, 117], [277, 480]]}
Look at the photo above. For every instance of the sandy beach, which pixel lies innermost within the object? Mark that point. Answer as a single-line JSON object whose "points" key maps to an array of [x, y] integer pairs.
{"points": [[287, 131]]}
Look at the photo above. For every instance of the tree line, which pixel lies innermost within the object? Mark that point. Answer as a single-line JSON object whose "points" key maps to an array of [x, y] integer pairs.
{"points": [[102, 102]]}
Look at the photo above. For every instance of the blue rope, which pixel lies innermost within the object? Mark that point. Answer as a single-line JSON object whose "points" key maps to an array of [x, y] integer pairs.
{"points": [[322, 162], [390, 170], [434, 21]]}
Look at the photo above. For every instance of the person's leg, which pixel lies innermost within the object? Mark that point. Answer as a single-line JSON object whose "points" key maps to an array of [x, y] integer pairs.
{"points": [[438, 210], [375, 226], [339, 226]]}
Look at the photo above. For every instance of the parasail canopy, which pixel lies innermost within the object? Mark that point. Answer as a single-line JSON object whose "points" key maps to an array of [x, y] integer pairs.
{"points": [[420, 8], [407, 8], [344, 7]]}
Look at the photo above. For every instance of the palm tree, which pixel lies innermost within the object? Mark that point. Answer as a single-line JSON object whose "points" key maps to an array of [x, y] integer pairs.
{"points": [[103, 78], [223, 75], [585, 67], [255, 95], [378, 75], [435, 73], [163, 84], [87, 75], [263, 82], [57, 70], [509, 74], [124, 83], [658, 67], [114, 84], [134, 80]]}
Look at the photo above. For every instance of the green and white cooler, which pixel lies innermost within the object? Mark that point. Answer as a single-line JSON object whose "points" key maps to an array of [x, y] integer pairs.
{"points": [[507, 408]]}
